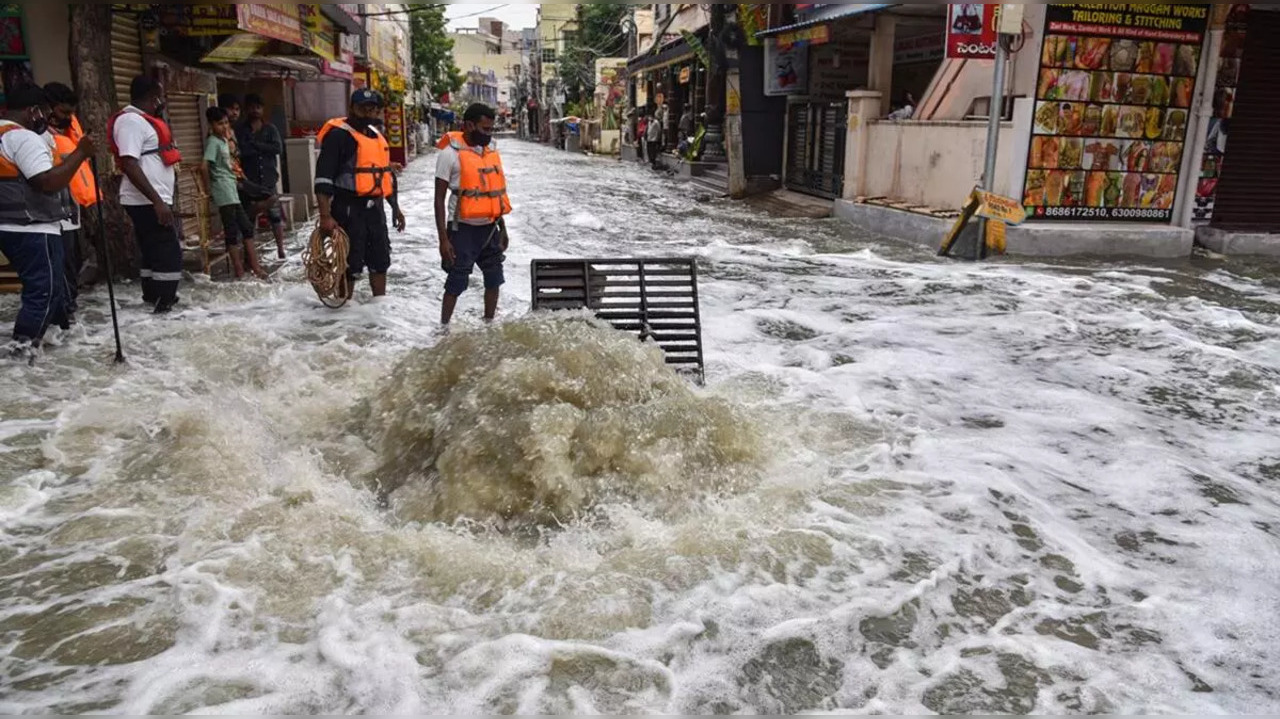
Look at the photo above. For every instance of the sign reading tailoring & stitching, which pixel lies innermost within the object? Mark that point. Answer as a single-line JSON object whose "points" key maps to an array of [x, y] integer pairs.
{"points": [[1113, 102]]}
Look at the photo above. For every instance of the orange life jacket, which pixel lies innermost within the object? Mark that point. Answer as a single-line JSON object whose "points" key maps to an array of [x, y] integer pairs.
{"points": [[373, 176], [20, 202], [482, 187], [335, 122], [167, 150], [83, 189]]}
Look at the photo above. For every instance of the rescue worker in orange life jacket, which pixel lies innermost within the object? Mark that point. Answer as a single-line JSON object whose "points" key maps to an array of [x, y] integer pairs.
{"points": [[472, 232], [354, 176], [65, 133], [33, 201]]}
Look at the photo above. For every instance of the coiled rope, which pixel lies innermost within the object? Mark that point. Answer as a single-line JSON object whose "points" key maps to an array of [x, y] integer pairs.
{"points": [[326, 261]]}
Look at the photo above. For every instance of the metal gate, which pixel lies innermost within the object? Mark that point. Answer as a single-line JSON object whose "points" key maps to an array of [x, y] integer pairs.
{"points": [[1250, 185], [816, 134], [126, 54]]}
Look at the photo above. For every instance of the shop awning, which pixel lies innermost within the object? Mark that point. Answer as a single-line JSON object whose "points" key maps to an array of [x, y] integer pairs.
{"points": [[825, 15], [349, 23], [669, 54]]}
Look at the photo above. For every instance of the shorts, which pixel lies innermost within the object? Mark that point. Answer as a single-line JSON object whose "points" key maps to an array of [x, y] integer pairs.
{"points": [[370, 241], [236, 224], [474, 245]]}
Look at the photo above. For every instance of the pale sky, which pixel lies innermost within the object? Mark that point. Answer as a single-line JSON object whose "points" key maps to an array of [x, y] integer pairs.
{"points": [[517, 15]]}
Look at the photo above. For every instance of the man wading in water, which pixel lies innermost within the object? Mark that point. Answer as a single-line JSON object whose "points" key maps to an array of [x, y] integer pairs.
{"points": [[472, 233], [353, 176]]}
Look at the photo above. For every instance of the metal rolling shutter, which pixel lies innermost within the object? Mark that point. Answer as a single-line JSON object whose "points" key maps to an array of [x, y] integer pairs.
{"points": [[1249, 192], [184, 111], [126, 53]]}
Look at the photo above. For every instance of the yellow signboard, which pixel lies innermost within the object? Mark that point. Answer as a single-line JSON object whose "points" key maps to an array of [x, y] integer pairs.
{"points": [[998, 207], [237, 48]]}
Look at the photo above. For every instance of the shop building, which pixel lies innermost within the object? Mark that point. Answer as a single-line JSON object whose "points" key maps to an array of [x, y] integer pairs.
{"points": [[1104, 114]]}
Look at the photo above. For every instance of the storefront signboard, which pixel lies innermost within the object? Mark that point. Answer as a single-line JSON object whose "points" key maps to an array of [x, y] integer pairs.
{"points": [[240, 47], [971, 31], [999, 207], [197, 20], [319, 34], [816, 35], [395, 133], [786, 70], [1113, 101], [279, 22]]}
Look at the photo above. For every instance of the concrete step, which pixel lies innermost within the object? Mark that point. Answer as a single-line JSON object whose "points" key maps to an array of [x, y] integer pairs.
{"points": [[712, 184]]}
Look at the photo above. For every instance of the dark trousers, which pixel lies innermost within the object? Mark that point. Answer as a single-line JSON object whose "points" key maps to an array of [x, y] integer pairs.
{"points": [[161, 253], [38, 259], [655, 152], [365, 222], [474, 246], [72, 262]]}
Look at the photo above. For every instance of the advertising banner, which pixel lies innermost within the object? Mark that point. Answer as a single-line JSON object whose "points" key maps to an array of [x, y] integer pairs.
{"points": [[279, 22], [971, 31], [197, 20], [1113, 101], [395, 132], [786, 71]]}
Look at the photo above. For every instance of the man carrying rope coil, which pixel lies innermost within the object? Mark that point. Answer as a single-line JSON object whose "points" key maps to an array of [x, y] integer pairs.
{"points": [[354, 175]]}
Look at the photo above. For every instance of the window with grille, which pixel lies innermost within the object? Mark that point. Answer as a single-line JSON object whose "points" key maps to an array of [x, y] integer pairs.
{"points": [[549, 54]]}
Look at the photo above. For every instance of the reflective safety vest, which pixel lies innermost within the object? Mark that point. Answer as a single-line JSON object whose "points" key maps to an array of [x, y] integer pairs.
{"points": [[20, 202], [482, 190], [167, 150], [372, 175], [82, 187]]}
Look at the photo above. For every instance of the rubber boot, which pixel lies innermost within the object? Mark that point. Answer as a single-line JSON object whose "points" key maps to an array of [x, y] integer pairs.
{"points": [[378, 283]]}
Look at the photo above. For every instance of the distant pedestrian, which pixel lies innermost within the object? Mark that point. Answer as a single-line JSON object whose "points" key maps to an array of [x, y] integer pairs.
{"points": [[654, 136]]}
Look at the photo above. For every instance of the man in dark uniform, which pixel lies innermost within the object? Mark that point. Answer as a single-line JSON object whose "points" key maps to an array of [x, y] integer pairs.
{"points": [[353, 177]]}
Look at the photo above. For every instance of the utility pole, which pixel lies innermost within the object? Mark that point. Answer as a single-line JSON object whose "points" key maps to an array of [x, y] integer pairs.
{"points": [[714, 142]]}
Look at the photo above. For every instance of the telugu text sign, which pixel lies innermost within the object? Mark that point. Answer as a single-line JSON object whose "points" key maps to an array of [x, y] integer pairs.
{"points": [[971, 31]]}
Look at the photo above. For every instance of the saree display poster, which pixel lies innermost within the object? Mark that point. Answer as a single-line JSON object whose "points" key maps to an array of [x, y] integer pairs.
{"points": [[1112, 105]]}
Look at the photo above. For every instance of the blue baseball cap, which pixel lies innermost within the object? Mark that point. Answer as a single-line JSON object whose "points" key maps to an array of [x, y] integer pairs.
{"points": [[365, 96]]}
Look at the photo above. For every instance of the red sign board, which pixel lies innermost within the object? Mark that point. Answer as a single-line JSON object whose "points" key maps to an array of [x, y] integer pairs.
{"points": [[971, 31], [395, 133]]}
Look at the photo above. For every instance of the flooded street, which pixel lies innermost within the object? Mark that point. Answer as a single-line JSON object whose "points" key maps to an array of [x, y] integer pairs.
{"points": [[909, 486]]}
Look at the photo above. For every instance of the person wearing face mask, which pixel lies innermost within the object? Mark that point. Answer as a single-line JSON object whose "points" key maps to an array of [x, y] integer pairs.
{"points": [[64, 134], [33, 202], [354, 175], [260, 147], [143, 146], [473, 232]]}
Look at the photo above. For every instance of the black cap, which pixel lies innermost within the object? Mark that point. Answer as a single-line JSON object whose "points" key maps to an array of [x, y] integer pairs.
{"points": [[365, 96]]}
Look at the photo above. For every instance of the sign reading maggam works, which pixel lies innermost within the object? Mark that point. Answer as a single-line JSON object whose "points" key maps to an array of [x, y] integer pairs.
{"points": [[1112, 106]]}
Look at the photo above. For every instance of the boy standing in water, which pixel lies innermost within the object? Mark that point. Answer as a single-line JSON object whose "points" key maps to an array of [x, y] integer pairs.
{"points": [[220, 176]]}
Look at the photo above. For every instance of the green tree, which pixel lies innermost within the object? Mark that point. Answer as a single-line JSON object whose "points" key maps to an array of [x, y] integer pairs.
{"points": [[432, 53], [600, 34]]}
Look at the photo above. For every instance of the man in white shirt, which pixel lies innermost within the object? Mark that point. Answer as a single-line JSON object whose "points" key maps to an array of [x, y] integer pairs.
{"points": [[147, 190], [33, 202]]}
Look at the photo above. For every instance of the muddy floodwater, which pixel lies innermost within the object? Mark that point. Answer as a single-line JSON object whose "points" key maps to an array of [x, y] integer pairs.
{"points": [[910, 485]]}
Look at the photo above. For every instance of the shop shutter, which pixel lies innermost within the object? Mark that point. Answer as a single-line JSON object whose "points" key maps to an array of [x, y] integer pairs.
{"points": [[1250, 187], [184, 111], [797, 146], [126, 53]]}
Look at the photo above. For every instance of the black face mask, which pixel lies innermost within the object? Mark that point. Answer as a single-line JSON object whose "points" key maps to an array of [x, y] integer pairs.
{"points": [[39, 126], [60, 123], [159, 111], [479, 139]]}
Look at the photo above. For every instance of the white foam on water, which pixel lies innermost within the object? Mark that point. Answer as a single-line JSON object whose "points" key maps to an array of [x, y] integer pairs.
{"points": [[993, 488]]}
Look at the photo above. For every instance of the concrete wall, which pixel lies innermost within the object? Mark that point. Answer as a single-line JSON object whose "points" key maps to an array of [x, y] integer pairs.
{"points": [[47, 35], [933, 163], [960, 82]]}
